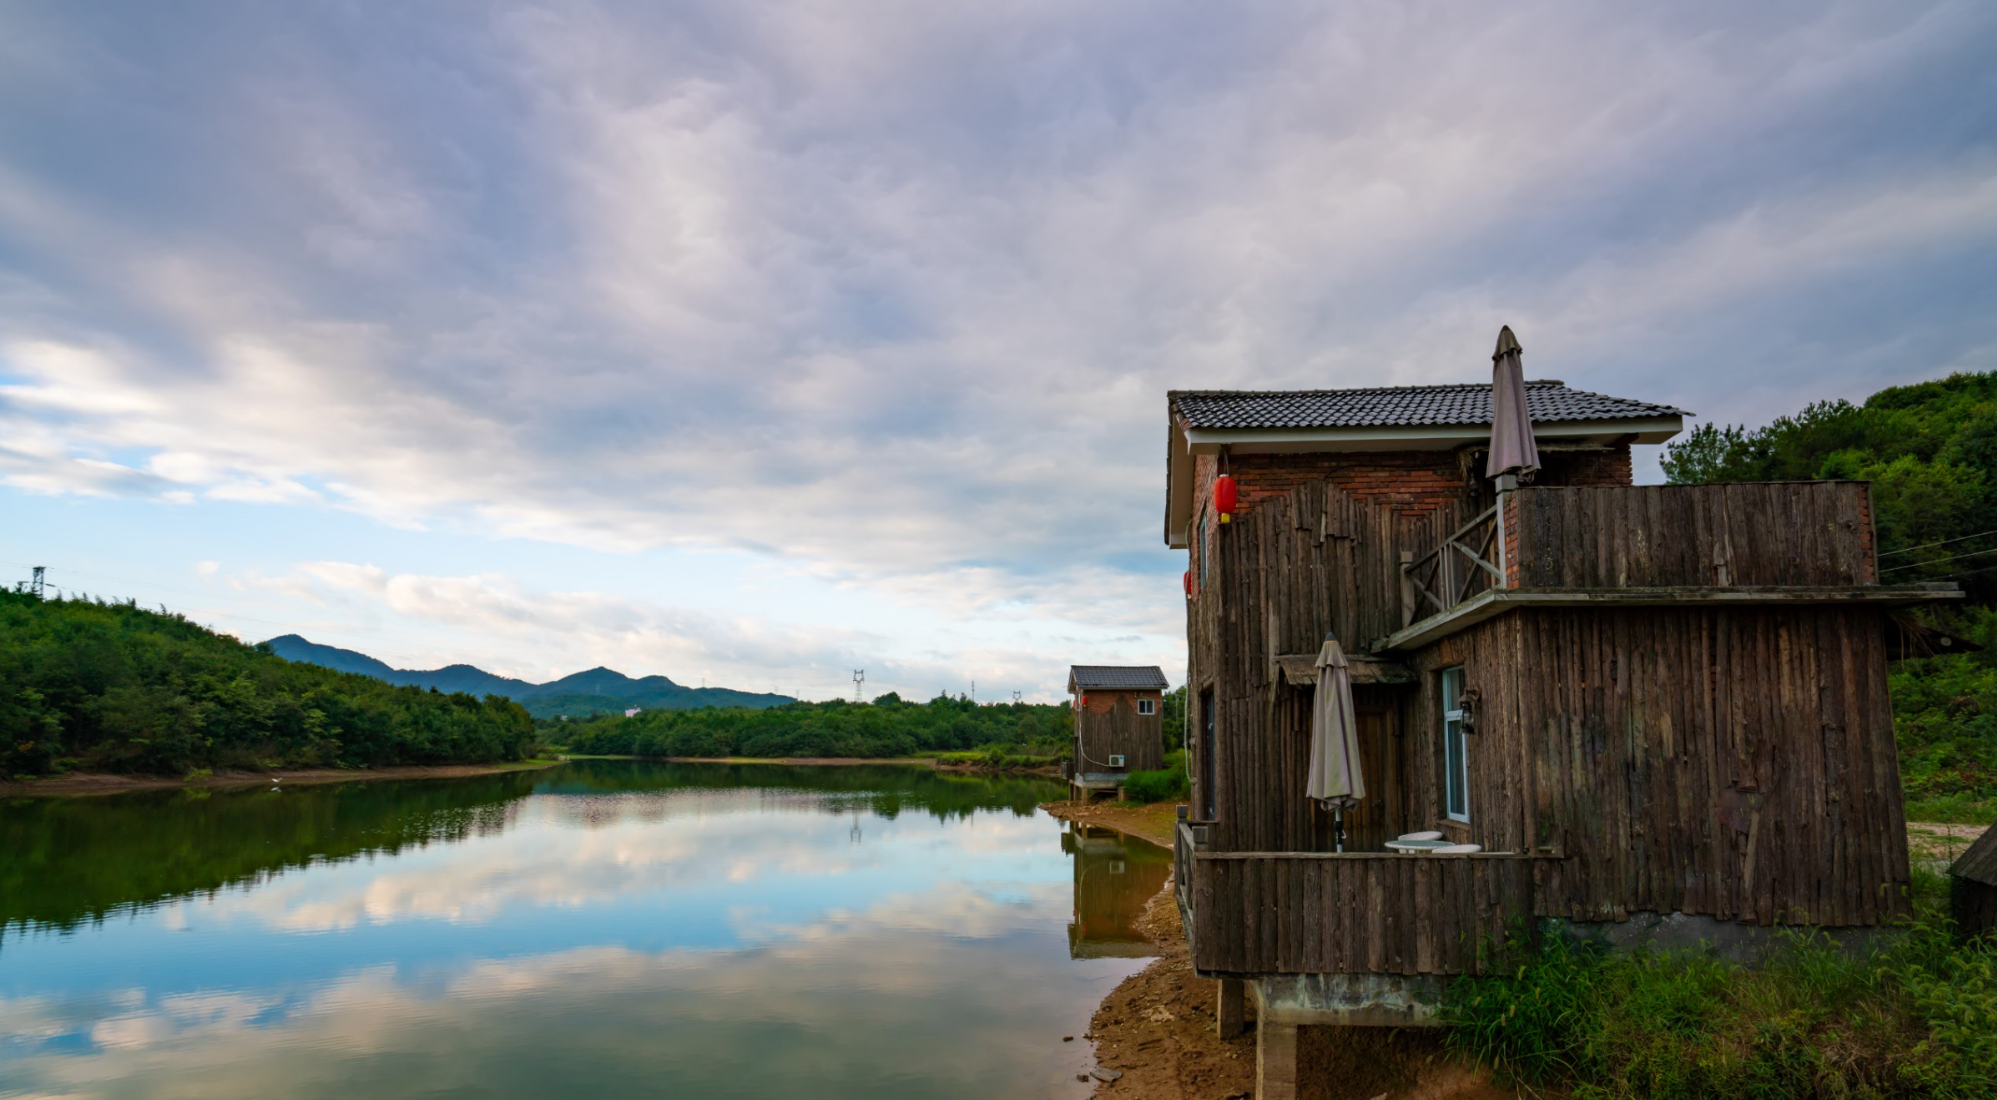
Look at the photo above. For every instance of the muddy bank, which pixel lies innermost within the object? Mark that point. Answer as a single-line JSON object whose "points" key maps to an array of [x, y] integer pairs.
{"points": [[90, 783], [1156, 1029]]}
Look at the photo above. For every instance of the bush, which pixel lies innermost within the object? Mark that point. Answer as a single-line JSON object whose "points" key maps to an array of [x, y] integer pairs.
{"points": [[1917, 1017], [1167, 784]]}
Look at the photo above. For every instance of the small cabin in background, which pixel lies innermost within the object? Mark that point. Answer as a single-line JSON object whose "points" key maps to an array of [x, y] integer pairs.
{"points": [[1119, 724], [1973, 887], [1639, 714]]}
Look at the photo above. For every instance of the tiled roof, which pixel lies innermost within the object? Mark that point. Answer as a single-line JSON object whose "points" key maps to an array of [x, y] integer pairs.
{"points": [[1397, 406], [1117, 678]]}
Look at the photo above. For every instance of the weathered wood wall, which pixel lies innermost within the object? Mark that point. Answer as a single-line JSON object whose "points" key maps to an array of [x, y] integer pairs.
{"points": [[1781, 533], [1314, 562], [1107, 728], [1373, 913], [1736, 762]]}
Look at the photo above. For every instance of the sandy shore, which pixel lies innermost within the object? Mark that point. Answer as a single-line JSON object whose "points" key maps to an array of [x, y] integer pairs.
{"points": [[88, 783]]}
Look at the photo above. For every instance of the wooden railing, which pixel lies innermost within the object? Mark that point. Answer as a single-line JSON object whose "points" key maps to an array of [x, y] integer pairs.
{"points": [[1796, 533], [1775, 534], [1463, 564], [1352, 913]]}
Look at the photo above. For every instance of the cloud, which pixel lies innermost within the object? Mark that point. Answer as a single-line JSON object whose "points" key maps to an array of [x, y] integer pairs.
{"points": [[890, 293], [538, 634]]}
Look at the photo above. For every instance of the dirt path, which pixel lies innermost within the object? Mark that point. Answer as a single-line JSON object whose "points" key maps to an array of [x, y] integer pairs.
{"points": [[1934, 841], [88, 783]]}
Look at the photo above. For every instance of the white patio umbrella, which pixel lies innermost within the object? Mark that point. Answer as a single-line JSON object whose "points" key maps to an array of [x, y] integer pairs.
{"points": [[1513, 449], [1335, 777]]}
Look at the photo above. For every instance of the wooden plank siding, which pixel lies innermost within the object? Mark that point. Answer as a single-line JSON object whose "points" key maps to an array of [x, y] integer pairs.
{"points": [[1737, 763], [1279, 913], [1314, 562], [1110, 725], [1731, 761], [1803, 533]]}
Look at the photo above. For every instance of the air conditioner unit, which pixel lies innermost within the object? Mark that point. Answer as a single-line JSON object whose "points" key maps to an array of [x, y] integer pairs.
{"points": [[1116, 761]]}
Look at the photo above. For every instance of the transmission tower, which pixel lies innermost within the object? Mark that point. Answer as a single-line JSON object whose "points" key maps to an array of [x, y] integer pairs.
{"points": [[36, 584], [859, 678], [1017, 696]]}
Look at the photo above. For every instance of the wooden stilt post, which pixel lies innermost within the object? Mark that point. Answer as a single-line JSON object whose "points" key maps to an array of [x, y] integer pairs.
{"points": [[1230, 1012]]}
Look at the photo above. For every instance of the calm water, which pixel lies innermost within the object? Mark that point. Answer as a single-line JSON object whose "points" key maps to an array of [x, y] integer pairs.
{"points": [[608, 928]]}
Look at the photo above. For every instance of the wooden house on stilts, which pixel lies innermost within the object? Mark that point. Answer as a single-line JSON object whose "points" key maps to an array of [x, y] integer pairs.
{"points": [[1119, 724], [1658, 713]]}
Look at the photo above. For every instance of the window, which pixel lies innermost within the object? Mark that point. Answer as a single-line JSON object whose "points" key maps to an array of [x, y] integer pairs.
{"points": [[1455, 752], [1147, 706]]}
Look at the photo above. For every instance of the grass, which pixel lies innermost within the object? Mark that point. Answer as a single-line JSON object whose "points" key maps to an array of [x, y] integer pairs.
{"points": [[1955, 809], [1167, 784], [1000, 756], [1914, 1017]]}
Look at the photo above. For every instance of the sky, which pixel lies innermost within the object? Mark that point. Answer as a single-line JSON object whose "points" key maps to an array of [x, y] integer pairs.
{"points": [[752, 344]]}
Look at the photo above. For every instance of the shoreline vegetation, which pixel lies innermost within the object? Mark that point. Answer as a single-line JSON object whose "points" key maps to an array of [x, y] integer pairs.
{"points": [[101, 783]]}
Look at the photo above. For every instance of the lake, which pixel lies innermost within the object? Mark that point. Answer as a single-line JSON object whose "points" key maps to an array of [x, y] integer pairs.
{"points": [[604, 928]]}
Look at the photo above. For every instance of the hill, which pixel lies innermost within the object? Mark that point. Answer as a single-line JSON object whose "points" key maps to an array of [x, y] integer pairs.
{"points": [[114, 687], [580, 694]]}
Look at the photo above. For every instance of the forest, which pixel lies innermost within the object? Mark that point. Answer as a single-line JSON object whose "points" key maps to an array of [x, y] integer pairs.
{"points": [[98, 686], [1930, 452], [887, 727]]}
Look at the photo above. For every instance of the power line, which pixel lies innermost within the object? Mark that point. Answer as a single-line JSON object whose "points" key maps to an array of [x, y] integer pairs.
{"points": [[1939, 561], [1931, 545]]}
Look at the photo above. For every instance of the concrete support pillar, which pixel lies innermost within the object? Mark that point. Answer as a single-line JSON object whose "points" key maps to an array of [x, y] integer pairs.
{"points": [[1231, 1010], [1275, 1061]]}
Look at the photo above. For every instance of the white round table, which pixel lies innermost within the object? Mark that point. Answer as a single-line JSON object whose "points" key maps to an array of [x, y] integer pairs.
{"points": [[1417, 845]]}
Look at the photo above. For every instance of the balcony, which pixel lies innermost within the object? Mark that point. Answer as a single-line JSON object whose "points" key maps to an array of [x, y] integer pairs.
{"points": [[1772, 542], [1356, 913]]}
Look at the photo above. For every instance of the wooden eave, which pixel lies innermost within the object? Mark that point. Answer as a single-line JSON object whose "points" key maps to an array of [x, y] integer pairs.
{"points": [[1497, 601], [1301, 669], [1979, 863]]}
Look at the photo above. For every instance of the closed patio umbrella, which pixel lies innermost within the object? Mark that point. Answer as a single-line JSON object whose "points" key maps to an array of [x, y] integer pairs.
{"points": [[1513, 450], [1335, 778]]}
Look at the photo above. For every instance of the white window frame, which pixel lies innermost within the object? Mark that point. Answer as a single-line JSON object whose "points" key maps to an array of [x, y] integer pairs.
{"points": [[1147, 707], [1455, 749]]}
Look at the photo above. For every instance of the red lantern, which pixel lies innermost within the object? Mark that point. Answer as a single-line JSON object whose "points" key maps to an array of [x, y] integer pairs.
{"points": [[1223, 496], [1189, 582]]}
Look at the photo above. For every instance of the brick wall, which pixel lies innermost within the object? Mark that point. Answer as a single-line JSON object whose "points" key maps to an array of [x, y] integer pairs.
{"points": [[1590, 468], [1102, 702], [1413, 482]]}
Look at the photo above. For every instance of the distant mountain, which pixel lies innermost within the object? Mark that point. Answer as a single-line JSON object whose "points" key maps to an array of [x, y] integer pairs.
{"points": [[581, 693]]}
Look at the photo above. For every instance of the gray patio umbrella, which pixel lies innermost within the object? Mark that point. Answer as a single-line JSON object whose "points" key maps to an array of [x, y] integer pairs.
{"points": [[1513, 450], [1335, 778]]}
